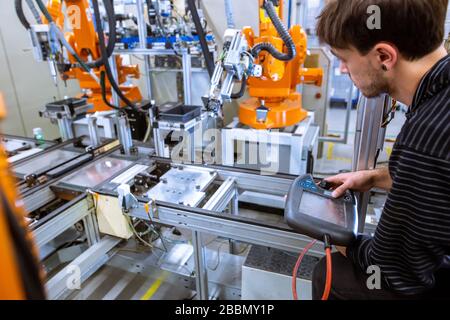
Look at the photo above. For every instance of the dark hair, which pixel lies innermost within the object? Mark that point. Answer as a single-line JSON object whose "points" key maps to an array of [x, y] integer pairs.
{"points": [[415, 27]]}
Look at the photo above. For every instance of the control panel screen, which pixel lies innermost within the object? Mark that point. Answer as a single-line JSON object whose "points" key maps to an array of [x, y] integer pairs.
{"points": [[332, 211]]}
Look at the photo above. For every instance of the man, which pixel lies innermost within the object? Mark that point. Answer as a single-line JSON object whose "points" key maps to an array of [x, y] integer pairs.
{"points": [[402, 55]]}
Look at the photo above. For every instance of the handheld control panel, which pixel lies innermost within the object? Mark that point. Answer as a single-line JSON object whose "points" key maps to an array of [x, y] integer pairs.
{"points": [[311, 210]]}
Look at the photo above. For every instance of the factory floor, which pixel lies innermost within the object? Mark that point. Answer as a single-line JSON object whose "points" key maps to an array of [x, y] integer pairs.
{"points": [[166, 271], [140, 273]]}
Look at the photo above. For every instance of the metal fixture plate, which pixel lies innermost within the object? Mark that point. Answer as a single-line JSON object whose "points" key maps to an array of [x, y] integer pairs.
{"points": [[45, 162], [24, 154], [12, 145], [97, 172], [185, 186]]}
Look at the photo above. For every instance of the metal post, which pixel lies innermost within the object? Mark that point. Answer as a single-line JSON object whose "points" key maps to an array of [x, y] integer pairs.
{"points": [[65, 129], [369, 140], [124, 130], [93, 131], [142, 30], [187, 75], [123, 126], [234, 208], [301, 11], [157, 141], [191, 136], [347, 120], [113, 65], [91, 230], [201, 279]]}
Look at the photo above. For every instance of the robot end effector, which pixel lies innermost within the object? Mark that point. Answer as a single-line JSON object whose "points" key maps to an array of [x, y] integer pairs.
{"points": [[241, 59], [235, 64]]}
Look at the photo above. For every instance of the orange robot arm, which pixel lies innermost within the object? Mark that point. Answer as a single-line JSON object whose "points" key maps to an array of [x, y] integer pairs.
{"points": [[311, 76], [20, 276], [83, 38], [276, 90]]}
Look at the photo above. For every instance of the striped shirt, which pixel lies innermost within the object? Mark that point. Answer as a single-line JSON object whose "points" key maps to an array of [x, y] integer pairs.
{"points": [[412, 239]]}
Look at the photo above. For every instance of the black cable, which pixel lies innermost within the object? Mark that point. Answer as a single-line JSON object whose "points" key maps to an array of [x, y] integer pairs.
{"points": [[109, 74], [241, 92], [283, 33], [103, 89], [44, 10], [376, 158], [26, 261], [209, 60], [21, 15], [111, 17]]}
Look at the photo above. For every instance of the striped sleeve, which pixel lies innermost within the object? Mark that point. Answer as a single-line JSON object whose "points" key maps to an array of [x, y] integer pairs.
{"points": [[412, 239]]}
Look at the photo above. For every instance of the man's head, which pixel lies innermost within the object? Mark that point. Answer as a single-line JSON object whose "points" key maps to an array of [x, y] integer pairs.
{"points": [[371, 37]]}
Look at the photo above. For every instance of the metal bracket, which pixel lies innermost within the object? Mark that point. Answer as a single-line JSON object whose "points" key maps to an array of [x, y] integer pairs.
{"points": [[261, 113]]}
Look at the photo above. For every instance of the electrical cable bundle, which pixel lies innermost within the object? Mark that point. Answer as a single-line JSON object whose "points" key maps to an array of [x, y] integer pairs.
{"points": [[282, 31], [104, 57], [106, 51], [328, 280], [209, 60]]}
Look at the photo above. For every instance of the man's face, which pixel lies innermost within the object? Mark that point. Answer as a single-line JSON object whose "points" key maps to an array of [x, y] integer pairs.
{"points": [[363, 70]]}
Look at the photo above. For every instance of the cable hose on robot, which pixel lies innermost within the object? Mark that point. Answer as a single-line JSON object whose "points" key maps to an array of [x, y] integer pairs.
{"points": [[103, 91], [209, 59], [34, 11], [111, 15], [21, 15], [241, 92], [104, 57], [283, 33]]}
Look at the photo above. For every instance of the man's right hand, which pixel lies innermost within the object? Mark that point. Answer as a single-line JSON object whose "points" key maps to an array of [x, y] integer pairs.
{"points": [[360, 181]]}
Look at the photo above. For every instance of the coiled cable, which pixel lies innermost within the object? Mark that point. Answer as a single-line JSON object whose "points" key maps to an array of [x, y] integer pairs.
{"points": [[282, 31]]}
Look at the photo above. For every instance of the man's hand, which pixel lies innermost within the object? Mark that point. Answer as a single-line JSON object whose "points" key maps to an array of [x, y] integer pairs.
{"points": [[360, 181]]}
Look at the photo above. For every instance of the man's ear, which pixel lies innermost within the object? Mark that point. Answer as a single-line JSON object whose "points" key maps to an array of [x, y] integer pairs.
{"points": [[386, 55]]}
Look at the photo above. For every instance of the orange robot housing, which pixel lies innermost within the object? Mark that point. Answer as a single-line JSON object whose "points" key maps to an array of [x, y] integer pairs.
{"points": [[21, 276], [276, 89], [84, 40]]}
